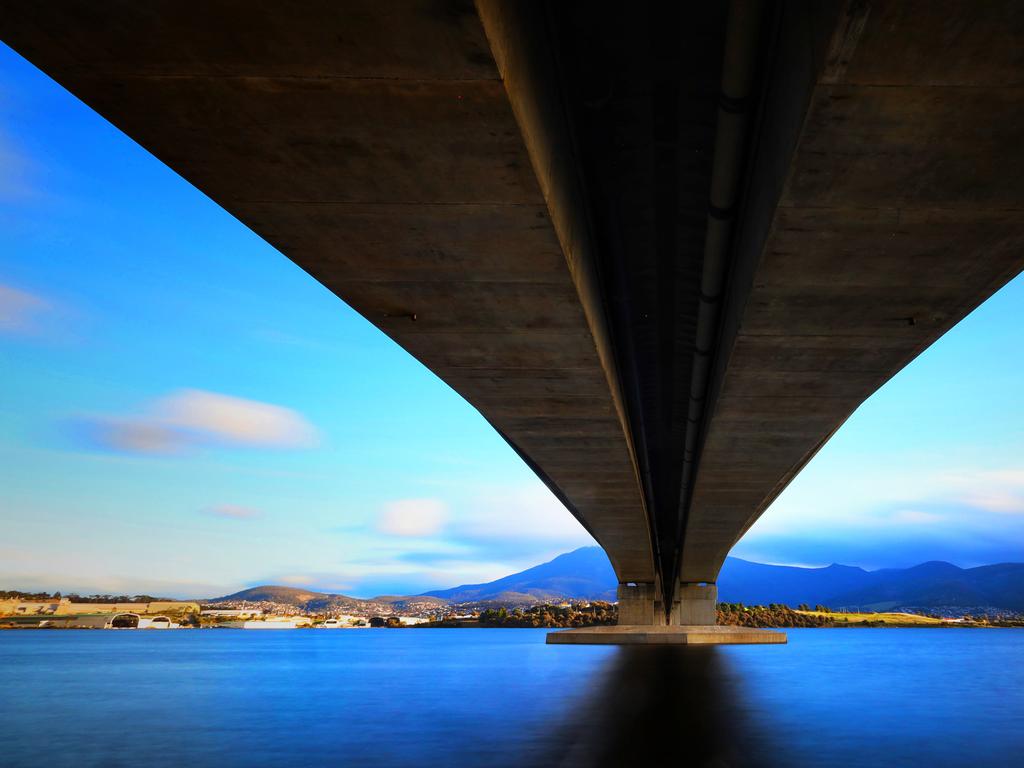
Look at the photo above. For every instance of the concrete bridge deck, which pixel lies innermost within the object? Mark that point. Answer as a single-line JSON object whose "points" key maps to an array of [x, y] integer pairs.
{"points": [[665, 249]]}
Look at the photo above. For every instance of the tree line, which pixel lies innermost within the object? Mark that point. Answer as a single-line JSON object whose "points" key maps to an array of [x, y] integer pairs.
{"points": [[772, 615], [42, 597]]}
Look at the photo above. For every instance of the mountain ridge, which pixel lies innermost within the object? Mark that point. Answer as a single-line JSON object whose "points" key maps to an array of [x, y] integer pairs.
{"points": [[586, 574], [583, 573]]}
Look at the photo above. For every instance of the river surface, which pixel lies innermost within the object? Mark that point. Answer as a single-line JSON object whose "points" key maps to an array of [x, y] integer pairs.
{"points": [[501, 697]]}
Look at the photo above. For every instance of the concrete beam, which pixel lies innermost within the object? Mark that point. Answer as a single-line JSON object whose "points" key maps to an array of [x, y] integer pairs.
{"points": [[539, 246], [885, 202], [522, 49]]}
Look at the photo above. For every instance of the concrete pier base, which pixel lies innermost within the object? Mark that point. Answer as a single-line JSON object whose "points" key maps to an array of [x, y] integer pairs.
{"points": [[626, 634]]}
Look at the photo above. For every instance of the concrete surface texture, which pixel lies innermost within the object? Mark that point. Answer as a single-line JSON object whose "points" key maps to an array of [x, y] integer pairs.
{"points": [[666, 250], [624, 634]]}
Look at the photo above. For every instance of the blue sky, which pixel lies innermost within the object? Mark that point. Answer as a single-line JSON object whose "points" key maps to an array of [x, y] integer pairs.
{"points": [[184, 411]]}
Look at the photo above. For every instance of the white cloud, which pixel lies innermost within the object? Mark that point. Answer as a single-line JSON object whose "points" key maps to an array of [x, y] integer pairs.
{"points": [[85, 582], [314, 581], [19, 310], [921, 510], [413, 517], [963, 494], [140, 437], [521, 512], [914, 517], [295, 579], [233, 512], [236, 420], [192, 417], [998, 501], [16, 171], [998, 491]]}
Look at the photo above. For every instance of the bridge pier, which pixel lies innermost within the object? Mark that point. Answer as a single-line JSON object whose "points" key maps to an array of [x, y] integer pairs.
{"points": [[643, 620], [694, 604], [642, 604]]}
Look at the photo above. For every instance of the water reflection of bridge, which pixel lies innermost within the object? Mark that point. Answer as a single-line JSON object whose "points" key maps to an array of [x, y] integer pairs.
{"points": [[662, 706]]}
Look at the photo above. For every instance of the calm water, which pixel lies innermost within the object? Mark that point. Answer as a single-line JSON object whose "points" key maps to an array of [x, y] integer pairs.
{"points": [[500, 697]]}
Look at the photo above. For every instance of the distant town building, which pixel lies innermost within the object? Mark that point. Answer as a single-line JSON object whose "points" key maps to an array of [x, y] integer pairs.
{"points": [[272, 622], [95, 621]]}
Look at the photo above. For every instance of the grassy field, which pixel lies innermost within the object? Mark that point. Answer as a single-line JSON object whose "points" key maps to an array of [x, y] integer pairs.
{"points": [[885, 618]]}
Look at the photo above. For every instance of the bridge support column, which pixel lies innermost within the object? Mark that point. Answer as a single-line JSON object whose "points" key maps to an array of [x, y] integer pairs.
{"points": [[694, 605], [640, 604]]}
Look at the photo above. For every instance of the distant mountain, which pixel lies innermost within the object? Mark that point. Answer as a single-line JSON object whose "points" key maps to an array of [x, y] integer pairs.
{"points": [[584, 573], [942, 584], [272, 594], [741, 581], [306, 600], [300, 599], [929, 585]]}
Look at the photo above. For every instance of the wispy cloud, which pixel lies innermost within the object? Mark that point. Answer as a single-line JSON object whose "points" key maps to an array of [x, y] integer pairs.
{"points": [[87, 583], [915, 517], [315, 581], [527, 512], [499, 523], [15, 172], [413, 517], [194, 418], [20, 310], [236, 420], [387, 576], [477, 534], [1005, 502], [137, 437], [996, 491], [297, 579], [969, 515], [232, 512]]}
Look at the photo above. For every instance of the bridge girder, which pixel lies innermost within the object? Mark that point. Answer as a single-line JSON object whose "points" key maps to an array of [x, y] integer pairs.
{"points": [[665, 250]]}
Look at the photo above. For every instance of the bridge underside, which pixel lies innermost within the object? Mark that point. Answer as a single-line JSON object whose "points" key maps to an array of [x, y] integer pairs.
{"points": [[665, 249]]}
